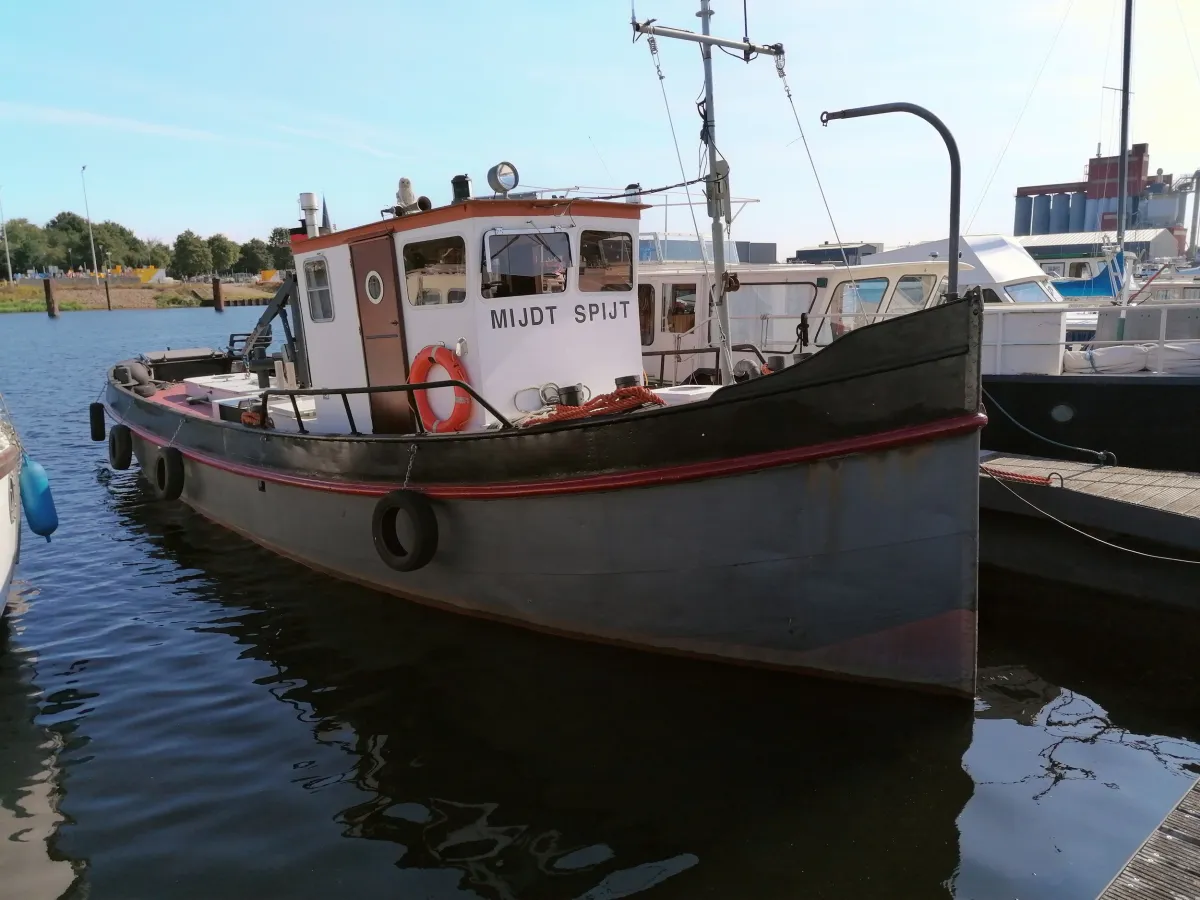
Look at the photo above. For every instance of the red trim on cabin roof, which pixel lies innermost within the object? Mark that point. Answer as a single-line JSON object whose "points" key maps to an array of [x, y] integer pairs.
{"points": [[476, 209], [869, 443]]}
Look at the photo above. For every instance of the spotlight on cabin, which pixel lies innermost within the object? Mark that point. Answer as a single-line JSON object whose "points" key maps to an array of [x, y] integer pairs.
{"points": [[633, 193], [502, 177]]}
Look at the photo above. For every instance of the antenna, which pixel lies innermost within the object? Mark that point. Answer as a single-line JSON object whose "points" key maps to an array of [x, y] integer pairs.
{"points": [[718, 178]]}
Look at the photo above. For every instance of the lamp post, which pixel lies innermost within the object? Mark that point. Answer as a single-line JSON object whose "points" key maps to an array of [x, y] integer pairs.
{"points": [[91, 240], [4, 232]]}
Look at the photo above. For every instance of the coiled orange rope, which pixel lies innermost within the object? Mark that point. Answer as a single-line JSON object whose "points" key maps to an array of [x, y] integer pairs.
{"points": [[620, 400]]}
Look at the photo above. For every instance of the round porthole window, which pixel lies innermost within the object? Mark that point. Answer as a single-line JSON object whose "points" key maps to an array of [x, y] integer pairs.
{"points": [[374, 286], [1062, 413]]}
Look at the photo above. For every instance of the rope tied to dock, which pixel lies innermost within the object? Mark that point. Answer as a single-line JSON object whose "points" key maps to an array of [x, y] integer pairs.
{"points": [[1018, 476], [1080, 531], [1104, 457]]}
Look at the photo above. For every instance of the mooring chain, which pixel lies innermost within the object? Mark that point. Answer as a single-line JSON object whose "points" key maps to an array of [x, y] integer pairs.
{"points": [[412, 458]]}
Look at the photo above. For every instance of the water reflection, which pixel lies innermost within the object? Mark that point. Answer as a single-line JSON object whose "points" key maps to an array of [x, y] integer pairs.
{"points": [[534, 767], [30, 782], [1085, 736]]}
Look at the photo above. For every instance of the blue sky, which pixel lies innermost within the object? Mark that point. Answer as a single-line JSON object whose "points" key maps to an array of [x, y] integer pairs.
{"points": [[215, 115]]}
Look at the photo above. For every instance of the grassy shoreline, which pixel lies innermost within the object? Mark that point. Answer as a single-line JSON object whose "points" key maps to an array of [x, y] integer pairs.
{"points": [[24, 297]]}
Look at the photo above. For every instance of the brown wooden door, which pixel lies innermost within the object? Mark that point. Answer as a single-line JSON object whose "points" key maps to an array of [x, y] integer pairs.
{"points": [[382, 325]]}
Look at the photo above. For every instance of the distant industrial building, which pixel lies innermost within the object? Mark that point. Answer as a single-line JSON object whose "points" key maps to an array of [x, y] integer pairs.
{"points": [[1154, 202], [836, 253]]}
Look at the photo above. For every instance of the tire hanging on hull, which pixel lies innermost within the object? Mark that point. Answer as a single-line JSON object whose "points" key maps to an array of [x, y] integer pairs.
{"points": [[413, 509], [120, 447], [166, 477], [96, 420]]}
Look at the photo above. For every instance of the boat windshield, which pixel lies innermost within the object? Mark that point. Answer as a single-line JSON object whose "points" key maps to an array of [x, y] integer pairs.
{"points": [[1028, 292]]}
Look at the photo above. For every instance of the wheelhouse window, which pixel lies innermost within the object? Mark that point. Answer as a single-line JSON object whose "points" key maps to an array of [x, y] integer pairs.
{"points": [[912, 293], [320, 296], [605, 261], [518, 265], [853, 304], [646, 313], [435, 271], [1079, 270], [679, 308]]}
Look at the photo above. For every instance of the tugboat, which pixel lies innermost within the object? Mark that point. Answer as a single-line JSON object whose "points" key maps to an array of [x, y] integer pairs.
{"points": [[838, 497], [840, 493]]}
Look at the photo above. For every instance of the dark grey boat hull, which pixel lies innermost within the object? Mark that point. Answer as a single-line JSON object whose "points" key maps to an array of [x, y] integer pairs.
{"points": [[860, 566]]}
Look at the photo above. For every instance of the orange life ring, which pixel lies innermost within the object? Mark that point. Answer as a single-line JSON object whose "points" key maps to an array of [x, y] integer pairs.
{"points": [[427, 358]]}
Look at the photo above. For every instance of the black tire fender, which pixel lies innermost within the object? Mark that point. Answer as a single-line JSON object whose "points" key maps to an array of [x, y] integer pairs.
{"points": [[411, 511], [166, 477], [96, 420], [120, 447]]}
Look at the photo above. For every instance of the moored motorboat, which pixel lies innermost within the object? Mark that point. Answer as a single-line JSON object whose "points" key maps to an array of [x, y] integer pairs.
{"points": [[10, 503]]}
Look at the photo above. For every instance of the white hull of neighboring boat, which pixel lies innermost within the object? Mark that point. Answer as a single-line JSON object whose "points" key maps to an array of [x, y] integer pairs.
{"points": [[10, 514]]}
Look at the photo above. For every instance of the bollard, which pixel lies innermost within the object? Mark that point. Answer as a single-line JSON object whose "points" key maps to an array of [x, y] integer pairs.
{"points": [[51, 303], [218, 300]]}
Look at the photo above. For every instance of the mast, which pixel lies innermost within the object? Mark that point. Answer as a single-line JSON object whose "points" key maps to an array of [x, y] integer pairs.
{"points": [[718, 169], [1123, 151], [718, 196]]}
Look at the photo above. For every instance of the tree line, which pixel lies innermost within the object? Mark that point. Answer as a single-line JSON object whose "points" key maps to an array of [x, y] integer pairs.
{"points": [[63, 242]]}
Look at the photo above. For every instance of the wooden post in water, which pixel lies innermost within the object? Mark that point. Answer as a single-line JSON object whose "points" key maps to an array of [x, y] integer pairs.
{"points": [[107, 295], [51, 303], [218, 300]]}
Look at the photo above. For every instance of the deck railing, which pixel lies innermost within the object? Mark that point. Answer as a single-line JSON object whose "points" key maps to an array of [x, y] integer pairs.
{"points": [[827, 327], [344, 393]]}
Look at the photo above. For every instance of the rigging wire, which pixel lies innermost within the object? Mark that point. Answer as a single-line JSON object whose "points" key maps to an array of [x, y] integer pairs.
{"points": [[1112, 21], [1187, 40], [653, 44], [1028, 97], [779, 70]]}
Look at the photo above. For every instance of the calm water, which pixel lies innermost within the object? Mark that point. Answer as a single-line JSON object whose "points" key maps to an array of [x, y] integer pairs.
{"points": [[184, 715]]}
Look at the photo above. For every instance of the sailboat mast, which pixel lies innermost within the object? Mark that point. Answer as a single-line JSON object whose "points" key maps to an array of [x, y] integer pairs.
{"points": [[1123, 150], [718, 169]]}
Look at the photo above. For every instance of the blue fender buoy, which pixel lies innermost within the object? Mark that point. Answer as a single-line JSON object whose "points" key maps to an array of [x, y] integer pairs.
{"points": [[36, 499]]}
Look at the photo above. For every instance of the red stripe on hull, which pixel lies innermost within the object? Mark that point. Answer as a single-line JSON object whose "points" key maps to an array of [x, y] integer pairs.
{"points": [[885, 440]]}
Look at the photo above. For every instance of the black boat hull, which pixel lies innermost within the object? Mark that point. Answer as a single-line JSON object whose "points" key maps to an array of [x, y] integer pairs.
{"points": [[1146, 421]]}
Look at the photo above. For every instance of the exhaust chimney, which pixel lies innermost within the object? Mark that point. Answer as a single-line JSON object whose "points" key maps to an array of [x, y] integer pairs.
{"points": [[460, 187], [308, 203]]}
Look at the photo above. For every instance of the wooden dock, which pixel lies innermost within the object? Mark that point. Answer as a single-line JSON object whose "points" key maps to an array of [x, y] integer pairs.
{"points": [[1156, 513], [1167, 865]]}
